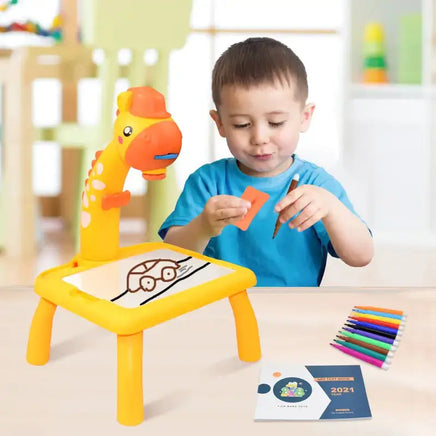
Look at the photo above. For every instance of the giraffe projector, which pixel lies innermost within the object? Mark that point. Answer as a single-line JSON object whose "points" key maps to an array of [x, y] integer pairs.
{"points": [[145, 138]]}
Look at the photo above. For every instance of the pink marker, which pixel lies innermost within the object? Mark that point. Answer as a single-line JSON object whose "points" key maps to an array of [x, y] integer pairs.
{"points": [[361, 356]]}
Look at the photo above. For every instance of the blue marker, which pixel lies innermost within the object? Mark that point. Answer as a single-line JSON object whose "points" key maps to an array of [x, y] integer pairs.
{"points": [[372, 330], [380, 328], [386, 315]]}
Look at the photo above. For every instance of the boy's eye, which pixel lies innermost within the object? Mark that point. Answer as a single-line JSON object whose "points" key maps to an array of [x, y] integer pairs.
{"points": [[241, 126], [276, 124]]}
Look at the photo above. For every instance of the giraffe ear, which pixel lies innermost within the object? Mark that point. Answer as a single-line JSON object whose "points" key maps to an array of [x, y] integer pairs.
{"points": [[124, 101]]}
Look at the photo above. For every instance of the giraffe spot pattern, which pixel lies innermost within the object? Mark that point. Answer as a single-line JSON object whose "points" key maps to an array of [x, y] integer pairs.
{"points": [[98, 184], [95, 184], [85, 219], [85, 200]]}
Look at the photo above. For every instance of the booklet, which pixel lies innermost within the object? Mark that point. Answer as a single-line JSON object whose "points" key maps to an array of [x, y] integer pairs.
{"points": [[312, 392]]}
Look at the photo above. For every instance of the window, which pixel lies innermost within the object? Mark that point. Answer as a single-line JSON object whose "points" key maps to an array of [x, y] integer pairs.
{"points": [[215, 25]]}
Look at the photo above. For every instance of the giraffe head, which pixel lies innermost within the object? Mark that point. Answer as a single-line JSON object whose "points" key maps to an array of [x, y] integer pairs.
{"points": [[147, 137]]}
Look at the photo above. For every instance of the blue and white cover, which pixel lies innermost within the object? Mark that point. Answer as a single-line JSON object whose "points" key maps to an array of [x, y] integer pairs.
{"points": [[312, 392]]}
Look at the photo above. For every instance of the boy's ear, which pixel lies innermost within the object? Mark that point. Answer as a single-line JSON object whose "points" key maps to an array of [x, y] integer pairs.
{"points": [[306, 117], [216, 117]]}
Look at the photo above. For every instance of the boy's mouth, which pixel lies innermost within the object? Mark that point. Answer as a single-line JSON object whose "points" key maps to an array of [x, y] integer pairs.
{"points": [[262, 157]]}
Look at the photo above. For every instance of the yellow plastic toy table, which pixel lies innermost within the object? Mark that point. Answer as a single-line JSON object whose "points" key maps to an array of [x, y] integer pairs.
{"points": [[126, 290], [145, 285]]}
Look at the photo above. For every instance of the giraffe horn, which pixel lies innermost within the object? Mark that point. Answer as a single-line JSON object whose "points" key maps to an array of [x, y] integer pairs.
{"points": [[124, 100]]}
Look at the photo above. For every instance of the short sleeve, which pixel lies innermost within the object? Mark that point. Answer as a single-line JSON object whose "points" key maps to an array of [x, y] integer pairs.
{"points": [[190, 204], [328, 182]]}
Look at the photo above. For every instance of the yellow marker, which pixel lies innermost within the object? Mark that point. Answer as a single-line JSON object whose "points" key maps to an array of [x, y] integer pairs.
{"points": [[376, 317]]}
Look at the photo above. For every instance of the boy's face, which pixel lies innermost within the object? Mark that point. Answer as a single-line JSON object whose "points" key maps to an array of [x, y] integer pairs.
{"points": [[262, 125]]}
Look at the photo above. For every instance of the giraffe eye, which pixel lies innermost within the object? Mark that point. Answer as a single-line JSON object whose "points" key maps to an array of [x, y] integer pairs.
{"points": [[127, 131]]}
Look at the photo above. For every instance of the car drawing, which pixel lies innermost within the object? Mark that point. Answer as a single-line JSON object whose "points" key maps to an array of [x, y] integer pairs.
{"points": [[145, 275]]}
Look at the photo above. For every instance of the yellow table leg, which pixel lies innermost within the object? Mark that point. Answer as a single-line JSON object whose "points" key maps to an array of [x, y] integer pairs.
{"points": [[38, 345], [247, 332], [130, 407]]}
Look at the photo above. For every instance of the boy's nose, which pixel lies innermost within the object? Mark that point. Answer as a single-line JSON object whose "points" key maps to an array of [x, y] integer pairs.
{"points": [[259, 136]]}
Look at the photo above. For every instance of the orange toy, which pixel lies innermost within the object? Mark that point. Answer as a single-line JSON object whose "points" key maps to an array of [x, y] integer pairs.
{"points": [[257, 199], [126, 290], [145, 138]]}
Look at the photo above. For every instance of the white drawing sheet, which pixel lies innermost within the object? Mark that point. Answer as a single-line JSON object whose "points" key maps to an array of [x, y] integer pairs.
{"points": [[136, 280]]}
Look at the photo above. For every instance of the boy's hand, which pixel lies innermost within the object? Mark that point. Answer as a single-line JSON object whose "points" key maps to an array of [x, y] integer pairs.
{"points": [[313, 203], [222, 210]]}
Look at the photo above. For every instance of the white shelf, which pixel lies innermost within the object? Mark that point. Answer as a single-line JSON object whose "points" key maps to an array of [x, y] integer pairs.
{"points": [[391, 91], [389, 130]]}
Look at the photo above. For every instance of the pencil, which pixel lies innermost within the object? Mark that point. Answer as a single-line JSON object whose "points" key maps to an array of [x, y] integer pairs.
{"points": [[292, 186]]}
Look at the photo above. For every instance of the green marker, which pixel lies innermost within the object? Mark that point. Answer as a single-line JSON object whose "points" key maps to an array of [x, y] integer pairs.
{"points": [[364, 350], [368, 340]]}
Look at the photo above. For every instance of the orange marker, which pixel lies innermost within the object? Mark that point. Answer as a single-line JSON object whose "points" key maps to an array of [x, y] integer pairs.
{"points": [[380, 309], [257, 199], [292, 186]]}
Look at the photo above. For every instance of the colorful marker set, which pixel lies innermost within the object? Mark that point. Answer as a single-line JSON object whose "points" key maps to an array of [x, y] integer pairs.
{"points": [[371, 334]]}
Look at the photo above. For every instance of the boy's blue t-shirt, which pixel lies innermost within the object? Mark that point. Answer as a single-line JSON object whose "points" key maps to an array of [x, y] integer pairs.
{"points": [[292, 258]]}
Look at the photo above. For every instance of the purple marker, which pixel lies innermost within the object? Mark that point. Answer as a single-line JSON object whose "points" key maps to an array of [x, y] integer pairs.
{"points": [[372, 336]]}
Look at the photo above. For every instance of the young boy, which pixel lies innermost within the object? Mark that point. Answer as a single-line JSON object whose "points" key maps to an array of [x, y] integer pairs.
{"points": [[259, 87]]}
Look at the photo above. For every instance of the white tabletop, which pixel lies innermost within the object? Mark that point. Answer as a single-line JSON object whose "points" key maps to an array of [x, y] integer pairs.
{"points": [[193, 381]]}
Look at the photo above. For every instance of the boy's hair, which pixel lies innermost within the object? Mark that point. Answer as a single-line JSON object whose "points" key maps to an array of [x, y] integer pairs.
{"points": [[255, 61]]}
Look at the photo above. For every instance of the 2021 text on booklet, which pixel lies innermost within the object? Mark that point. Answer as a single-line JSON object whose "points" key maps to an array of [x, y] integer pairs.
{"points": [[312, 392]]}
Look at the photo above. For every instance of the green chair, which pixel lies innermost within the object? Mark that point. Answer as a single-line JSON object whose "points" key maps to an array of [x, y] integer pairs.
{"points": [[137, 26]]}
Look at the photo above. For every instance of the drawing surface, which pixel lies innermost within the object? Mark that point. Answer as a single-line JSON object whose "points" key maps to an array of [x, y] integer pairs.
{"points": [[136, 280]]}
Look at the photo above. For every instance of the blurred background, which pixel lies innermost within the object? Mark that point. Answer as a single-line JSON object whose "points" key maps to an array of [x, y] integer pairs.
{"points": [[372, 75]]}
